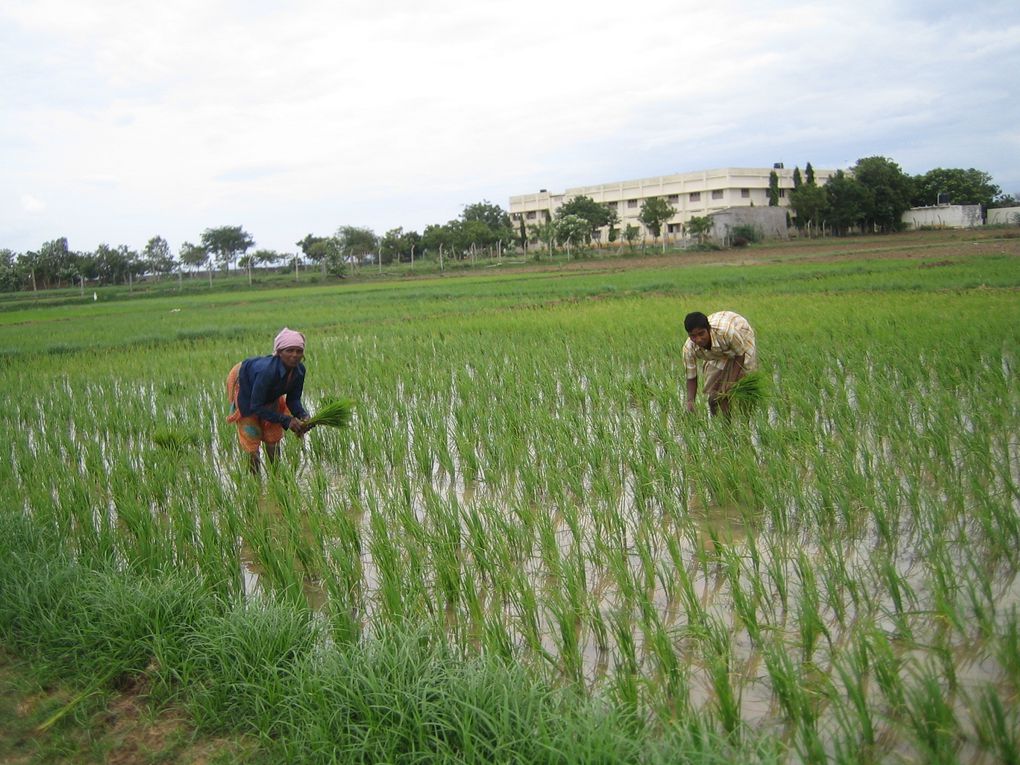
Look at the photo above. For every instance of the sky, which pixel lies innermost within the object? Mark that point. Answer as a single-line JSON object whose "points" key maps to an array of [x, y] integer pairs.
{"points": [[125, 120]]}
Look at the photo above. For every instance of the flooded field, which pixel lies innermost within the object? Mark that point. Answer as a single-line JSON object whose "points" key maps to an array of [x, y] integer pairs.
{"points": [[833, 574]]}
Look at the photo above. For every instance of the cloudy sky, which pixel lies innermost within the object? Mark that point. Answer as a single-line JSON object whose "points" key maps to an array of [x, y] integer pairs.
{"points": [[126, 119]]}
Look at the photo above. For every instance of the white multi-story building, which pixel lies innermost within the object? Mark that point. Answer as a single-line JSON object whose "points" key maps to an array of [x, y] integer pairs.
{"points": [[691, 194]]}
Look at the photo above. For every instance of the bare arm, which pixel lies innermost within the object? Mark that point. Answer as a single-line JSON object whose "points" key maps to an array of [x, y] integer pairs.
{"points": [[692, 392]]}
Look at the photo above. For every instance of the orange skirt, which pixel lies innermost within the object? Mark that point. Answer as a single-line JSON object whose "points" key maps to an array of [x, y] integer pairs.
{"points": [[252, 431]]}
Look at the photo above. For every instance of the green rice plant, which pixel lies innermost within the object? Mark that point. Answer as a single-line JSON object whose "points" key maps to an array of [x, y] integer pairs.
{"points": [[625, 686], [875, 495], [856, 720], [725, 686], [1008, 647], [930, 714], [997, 725], [809, 618], [744, 605], [887, 665]]}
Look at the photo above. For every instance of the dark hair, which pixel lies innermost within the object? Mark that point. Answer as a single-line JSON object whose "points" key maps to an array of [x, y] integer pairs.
{"points": [[695, 320]]}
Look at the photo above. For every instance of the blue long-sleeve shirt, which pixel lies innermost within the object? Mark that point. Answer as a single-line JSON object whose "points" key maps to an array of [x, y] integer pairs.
{"points": [[261, 381]]}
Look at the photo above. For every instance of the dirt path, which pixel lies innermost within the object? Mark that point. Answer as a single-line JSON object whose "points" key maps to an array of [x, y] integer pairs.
{"points": [[114, 729]]}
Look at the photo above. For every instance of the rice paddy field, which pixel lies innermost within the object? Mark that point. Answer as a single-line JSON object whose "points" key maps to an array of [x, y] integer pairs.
{"points": [[522, 548]]}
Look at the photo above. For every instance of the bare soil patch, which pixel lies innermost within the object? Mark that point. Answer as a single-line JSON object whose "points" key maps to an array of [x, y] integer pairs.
{"points": [[119, 729]]}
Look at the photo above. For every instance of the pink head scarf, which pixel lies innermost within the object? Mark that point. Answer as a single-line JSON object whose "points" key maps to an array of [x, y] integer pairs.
{"points": [[288, 338]]}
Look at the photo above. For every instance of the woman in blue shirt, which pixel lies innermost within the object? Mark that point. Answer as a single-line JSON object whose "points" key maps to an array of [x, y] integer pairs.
{"points": [[265, 397]]}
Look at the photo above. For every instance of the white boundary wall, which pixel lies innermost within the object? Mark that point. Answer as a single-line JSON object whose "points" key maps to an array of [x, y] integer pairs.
{"points": [[943, 216], [1004, 216]]}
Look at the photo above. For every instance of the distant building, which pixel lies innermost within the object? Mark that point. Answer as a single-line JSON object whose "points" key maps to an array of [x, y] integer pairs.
{"points": [[692, 194]]}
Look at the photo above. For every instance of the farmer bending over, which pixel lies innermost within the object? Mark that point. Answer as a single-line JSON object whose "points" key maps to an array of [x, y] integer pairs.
{"points": [[724, 342], [265, 396]]}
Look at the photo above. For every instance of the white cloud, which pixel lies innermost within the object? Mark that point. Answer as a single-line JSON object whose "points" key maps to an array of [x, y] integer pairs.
{"points": [[31, 204]]}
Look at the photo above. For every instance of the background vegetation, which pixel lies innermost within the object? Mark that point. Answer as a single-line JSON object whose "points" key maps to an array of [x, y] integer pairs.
{"points": [[871, 197]]}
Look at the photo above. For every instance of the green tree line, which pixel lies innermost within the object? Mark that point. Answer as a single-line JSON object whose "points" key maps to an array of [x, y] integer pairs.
{"points": [[870, 197], [873, 195]]}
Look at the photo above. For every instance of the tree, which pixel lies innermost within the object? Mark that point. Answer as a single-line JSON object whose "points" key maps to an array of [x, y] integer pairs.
{"points": [[809, 174], [573, 230], [226, 243], [773, 189], [522, 234], [631, 234], [111, 264], [473, 235], [796, 178], [356, 242], [335, 261], [493, 216], [1006, 200], [394, 245], [654, 212], [157, 256], [437, 238], [267, 257], [954, 186], [847, 202], [11, 278], [192, 255], [316, 249], [587, 208], [486, 225], [809, 204], [544, 232], [52, 265], [613, 222], [195, 256], [889, 192], [251, 261], [699, 226]]}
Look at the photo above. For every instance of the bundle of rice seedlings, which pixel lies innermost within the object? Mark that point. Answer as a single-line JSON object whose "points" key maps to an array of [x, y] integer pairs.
{"points": [[336, 413], [747, 392], [174, 440]]}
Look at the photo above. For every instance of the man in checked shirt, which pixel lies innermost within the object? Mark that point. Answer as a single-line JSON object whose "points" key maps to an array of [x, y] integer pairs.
{"points": [[724, 342]]}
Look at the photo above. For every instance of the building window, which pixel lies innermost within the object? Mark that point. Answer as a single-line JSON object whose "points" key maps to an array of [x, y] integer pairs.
{"points": [[530, 215], [782, 193], [674, 228], [673, 198], [631, 203], [717, 194], [745, 193], [611, 205], [695, 196]]}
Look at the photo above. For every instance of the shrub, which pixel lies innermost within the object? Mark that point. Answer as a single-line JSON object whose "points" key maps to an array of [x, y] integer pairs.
{"points": [[745, 231]]}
